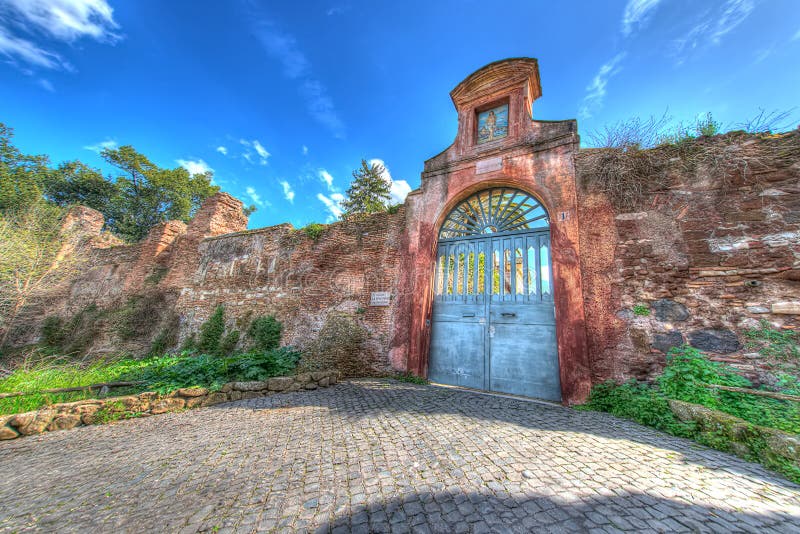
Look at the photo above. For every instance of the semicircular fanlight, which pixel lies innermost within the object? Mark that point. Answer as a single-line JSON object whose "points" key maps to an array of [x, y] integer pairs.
{"points": [[494, 211]]}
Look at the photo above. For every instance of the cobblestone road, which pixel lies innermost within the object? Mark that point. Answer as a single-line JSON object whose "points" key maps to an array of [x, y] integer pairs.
{"points": [[378, 456]]}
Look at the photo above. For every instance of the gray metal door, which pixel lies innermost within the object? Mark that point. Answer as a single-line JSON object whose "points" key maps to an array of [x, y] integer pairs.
{"points": [[493, 322]]}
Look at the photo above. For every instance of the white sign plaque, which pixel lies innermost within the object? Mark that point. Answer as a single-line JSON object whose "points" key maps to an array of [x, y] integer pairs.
{"points": [[380, 298], [488, 165]]}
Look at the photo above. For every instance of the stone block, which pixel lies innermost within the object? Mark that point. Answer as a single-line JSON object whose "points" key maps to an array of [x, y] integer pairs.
{"points": [[192, 392], [6, 432], [235, 395], [64, 422], [303, 378], [311, 385], [194, 402], [280, 383], [665, 341], [318, 375], [33, 422], [784, 445], [169, 404], [667, 310], [787, 308], [324, 382], [216, 397], [249, 386], [721, 341]]}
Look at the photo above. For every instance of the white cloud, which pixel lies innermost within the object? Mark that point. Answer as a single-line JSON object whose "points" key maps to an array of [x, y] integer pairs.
{"points": [[326, 177], [399, 189], [194, 166], [102, 145], [56, 20], [262, 152], [296, 66], [637, 13], [258, 147], [222, 150], [256, 198], [305, 150], [334, 205], [17, 48], [713, 27], [69, 20], [287, 191], [47, 85], [596, 91]]}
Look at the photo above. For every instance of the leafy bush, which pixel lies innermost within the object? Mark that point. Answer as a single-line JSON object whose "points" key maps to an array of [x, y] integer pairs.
{"points": [[228, 343], [314, 230], [266, 332], [639, 402], [687, 373], [410, 378], [641, 310], [211, 332], [169, 373]]}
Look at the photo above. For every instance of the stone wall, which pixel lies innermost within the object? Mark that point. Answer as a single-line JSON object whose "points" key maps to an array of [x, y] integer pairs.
{"points": [[64, 416], [701, 260]]}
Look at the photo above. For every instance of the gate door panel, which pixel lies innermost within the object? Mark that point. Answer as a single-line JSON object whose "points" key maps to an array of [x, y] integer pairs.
{"points": [[493, 313]]}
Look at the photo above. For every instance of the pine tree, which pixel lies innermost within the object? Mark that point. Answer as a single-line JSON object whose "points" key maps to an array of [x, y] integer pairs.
{"points": [[368, 192]]}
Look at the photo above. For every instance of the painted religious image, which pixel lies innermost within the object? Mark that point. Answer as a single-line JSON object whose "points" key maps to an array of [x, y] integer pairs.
{"points": [[493, 124]]}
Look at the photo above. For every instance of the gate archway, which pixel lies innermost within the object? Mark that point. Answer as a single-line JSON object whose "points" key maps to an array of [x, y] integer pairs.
{"points": [[493, 319]]}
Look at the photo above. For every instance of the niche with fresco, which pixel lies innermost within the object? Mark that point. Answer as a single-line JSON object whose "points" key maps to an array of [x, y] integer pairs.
{"points": [[493, 124]]}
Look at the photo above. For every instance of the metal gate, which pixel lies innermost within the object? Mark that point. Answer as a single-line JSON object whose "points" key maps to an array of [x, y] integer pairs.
{"points": [[493, 315]]}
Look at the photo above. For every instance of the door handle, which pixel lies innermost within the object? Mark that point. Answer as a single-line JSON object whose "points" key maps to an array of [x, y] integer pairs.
{"points": [[468, 315], [508, 314]]}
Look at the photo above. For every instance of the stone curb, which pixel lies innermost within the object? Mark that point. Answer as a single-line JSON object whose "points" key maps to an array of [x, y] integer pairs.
{"points": [[69, 415], [741, 433]]}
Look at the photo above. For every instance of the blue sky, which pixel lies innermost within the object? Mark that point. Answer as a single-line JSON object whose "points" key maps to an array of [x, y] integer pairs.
{"points": [[283, 99]]}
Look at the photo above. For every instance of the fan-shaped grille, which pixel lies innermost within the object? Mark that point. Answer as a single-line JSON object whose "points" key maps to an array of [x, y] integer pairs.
{"points": [[494, 211]]}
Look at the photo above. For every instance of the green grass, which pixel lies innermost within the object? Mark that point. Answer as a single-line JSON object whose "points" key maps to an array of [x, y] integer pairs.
{"points": [[410, 378], [162, 374]]}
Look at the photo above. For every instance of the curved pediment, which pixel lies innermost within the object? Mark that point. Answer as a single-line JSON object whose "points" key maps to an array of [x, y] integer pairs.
{"points": [[496, 77]]}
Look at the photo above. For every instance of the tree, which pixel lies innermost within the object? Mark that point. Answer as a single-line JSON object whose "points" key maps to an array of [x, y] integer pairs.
{"points": [[35, 258], [22, 177], [149, 194], [368, 192]]}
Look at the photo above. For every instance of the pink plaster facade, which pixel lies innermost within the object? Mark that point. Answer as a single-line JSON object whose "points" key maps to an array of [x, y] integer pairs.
{"points": [[536, 157]]}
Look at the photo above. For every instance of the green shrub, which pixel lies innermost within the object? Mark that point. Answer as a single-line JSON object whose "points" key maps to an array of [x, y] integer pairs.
{"points": [[394, 208], [639, 402], [688, 372], [314, 230], [211, 332], [265, 332], [707, 126], [228, 343], [641, 310]]}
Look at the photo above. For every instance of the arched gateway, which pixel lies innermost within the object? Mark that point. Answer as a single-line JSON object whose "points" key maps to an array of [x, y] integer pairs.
{"points": [[493, 320], [491, 294]]}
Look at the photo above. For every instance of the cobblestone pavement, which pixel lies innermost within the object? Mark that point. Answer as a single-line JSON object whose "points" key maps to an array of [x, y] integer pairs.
{"points": [[380, 456]]}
